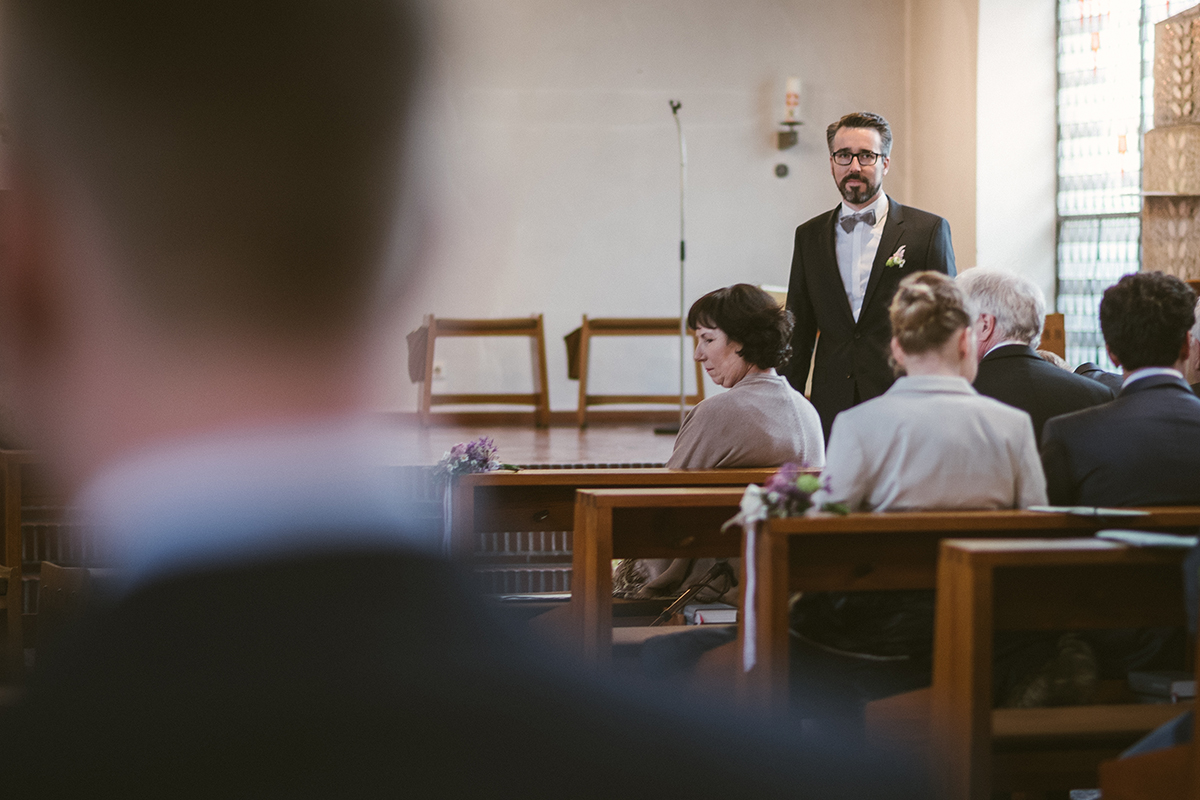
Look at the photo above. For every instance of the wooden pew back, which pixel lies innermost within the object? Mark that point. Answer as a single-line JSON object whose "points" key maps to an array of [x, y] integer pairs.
{"points": [[660, 522], [868, 551], [985, 586], [525, 520]]}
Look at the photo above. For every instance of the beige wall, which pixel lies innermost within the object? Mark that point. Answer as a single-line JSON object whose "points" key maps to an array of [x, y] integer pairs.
{"points": [[940, 79], [555, 159]]}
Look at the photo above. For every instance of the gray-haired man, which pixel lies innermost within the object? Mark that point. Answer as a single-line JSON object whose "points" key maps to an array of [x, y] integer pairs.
{"points": [[1011, 312]]}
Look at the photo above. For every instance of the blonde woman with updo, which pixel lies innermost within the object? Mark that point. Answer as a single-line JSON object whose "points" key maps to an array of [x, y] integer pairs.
{"points": [[929, 442]]}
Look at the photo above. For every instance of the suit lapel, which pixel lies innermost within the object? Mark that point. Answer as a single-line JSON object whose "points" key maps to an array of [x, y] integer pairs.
{"points": [[892, 231], [834, 286]]}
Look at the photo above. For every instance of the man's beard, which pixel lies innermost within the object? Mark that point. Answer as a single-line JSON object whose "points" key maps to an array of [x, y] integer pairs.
{"points": [[858, 194]]}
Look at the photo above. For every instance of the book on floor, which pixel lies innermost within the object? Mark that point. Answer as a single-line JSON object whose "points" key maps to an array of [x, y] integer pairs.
{"points": [[710, 614]]}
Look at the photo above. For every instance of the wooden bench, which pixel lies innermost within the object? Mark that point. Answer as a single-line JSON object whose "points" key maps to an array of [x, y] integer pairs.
{"points": [[485, 506], [866, 552], [579, 356], [639, 523], [985, 586]]}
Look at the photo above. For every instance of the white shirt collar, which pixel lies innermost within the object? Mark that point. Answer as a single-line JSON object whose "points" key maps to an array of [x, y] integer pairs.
{"points": [[234, 496], [1146, 372], [1005, 343]]}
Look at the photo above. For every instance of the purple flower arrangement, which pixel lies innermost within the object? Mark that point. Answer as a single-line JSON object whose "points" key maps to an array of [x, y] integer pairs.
{"points": [[467, 457], [788, 493]]}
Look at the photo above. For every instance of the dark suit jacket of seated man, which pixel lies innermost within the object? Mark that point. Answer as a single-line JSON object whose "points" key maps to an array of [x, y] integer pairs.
{"points": [[1011, 312], [1143, 448], [852, 353]]}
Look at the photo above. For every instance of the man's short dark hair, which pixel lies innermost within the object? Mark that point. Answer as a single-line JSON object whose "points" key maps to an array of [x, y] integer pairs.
{"points": [[1145, 318], [862, 119], [750, 318], [245, 157]]}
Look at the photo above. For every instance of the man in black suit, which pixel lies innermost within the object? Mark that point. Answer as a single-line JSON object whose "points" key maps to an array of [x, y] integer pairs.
{"points": [[1143, 448], [200, 248], [1011, 312], [846, 266]]}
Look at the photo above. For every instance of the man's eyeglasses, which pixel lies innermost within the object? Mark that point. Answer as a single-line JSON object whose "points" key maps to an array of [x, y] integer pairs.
{"points": [[865, 159]]}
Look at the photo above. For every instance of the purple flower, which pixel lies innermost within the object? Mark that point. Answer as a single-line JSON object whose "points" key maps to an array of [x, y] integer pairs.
{"points": [[467, 457]]}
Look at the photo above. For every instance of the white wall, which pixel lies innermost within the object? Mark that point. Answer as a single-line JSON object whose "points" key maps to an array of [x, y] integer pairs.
{"points": [[558, 180], [1016, 139]]}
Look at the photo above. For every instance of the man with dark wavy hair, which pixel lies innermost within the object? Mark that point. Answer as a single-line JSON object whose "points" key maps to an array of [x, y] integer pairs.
{"points": [[1143, 448], [846, 266]]}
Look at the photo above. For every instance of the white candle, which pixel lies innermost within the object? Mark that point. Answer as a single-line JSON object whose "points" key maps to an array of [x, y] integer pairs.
{"points": [[792, 103]]}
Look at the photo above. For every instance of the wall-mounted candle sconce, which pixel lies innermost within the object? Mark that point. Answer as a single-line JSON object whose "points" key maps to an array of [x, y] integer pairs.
{"points": [[791, 115]]}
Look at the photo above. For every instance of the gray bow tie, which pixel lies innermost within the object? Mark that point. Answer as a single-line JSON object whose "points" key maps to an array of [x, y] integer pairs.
{"points": [[848, 222]]}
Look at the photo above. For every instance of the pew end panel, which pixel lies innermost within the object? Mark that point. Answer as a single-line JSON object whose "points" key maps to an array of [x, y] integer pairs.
{"points": [[639, 523], [991, 585]]}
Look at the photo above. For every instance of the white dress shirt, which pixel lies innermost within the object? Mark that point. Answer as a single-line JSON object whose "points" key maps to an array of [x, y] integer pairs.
{"points": [[856, 251]]}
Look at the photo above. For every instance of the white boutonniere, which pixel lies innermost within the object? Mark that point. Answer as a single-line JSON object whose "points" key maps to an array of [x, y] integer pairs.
{"points": [[897, 259]]}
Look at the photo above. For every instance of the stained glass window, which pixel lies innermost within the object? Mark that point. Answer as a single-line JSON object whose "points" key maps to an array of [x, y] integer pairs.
{"points": [[1105, 104]]}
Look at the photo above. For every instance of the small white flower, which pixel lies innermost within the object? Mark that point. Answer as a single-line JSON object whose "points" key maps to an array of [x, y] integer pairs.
{"points": [[897, 259], [754, 508]]}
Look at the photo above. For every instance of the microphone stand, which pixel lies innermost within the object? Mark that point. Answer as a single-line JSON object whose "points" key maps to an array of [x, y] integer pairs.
{"points": [[683, 348]]}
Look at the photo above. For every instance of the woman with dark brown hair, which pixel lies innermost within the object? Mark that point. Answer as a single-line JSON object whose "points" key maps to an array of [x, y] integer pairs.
{"points": [[742, 336]]}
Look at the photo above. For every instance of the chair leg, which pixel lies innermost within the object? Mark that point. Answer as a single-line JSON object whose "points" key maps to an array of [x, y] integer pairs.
{"points": [[425, 406], [585, 340], [540, 375]]}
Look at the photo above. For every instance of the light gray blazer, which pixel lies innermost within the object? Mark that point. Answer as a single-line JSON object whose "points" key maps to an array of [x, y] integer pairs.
{"points": [[932, 442]]}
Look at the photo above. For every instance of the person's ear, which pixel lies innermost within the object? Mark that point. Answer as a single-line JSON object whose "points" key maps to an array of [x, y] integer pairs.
{"points": [[1113, 358], [898, 355]]}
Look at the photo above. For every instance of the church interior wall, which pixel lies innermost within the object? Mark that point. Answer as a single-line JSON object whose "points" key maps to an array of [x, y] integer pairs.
{"points": [[556, 164]]}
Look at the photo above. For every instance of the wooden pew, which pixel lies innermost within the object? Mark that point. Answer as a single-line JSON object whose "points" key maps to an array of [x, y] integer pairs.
{"points": [[639, 523], [32, 513], [543, 500], [865, 552], [986, 586]]}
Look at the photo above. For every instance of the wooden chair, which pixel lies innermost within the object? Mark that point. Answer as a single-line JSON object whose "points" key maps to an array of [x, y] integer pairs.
{"points": [[579, 349], [985, 586], [421, 359], [868, 552]]}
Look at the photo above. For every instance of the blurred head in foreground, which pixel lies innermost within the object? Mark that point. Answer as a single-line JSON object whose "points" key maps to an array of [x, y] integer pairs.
{"points": [[202, 211]]}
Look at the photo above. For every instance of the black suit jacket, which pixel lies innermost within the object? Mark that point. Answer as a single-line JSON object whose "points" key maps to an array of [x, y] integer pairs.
{"points": [[852, 357], [1089, 370], [1017, 375], [369, 674], [1141, 449]]}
